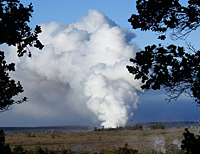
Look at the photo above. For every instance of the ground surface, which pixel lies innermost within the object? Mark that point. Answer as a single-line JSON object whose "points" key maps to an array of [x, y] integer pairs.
{"points": [[143, 140]]}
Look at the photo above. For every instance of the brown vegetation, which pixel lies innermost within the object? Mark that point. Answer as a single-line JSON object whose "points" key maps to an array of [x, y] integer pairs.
{"points": [[143, 140]]}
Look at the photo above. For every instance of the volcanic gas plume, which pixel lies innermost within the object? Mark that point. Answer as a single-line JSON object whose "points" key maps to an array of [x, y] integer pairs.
{"points": [[82, 69]]}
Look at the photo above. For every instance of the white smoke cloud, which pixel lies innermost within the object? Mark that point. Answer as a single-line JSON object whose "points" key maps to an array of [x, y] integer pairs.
{"points": [[81, 69], [159, 144], [177, 143]]}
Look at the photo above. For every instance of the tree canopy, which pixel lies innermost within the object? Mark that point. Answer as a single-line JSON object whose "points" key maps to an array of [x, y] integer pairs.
{"points": [[169, 67], [14, 30]]}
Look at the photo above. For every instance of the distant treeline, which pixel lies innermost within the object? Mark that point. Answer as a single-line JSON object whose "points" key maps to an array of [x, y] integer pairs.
{"points": [[157, 126], [134, 127], [131, 127]]}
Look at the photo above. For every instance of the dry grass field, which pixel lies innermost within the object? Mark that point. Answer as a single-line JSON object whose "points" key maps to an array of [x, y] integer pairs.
{"points": [[143, 140]]}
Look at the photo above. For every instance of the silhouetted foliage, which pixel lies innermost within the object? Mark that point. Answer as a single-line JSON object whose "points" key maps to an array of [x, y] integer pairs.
{"points": [[18, 150], [121, 150], [191, 143], [168, 67], [8, 86], [160, 16], [14, 30], [4, 148]]}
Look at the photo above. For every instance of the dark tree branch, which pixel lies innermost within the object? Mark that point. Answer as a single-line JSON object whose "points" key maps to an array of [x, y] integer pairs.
{"points": [[14, 30], [170, 67]]}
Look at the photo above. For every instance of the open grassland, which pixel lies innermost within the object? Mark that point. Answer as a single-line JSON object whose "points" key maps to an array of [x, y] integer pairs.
{"points": [[143, 140]]}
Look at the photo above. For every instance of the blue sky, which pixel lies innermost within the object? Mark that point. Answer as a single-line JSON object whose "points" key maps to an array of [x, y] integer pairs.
{"points": [[70, 11], [66, 11], [153, 106]]}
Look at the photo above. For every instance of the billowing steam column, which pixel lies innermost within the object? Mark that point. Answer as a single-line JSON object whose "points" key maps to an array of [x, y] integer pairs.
{"points": [[81, 68], [112, 95]]}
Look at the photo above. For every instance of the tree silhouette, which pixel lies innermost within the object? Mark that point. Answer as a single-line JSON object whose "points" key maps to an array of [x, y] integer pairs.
{"points": [[190, 143], [168, 67], [4, 148], [14, 30], [18, 150]]}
